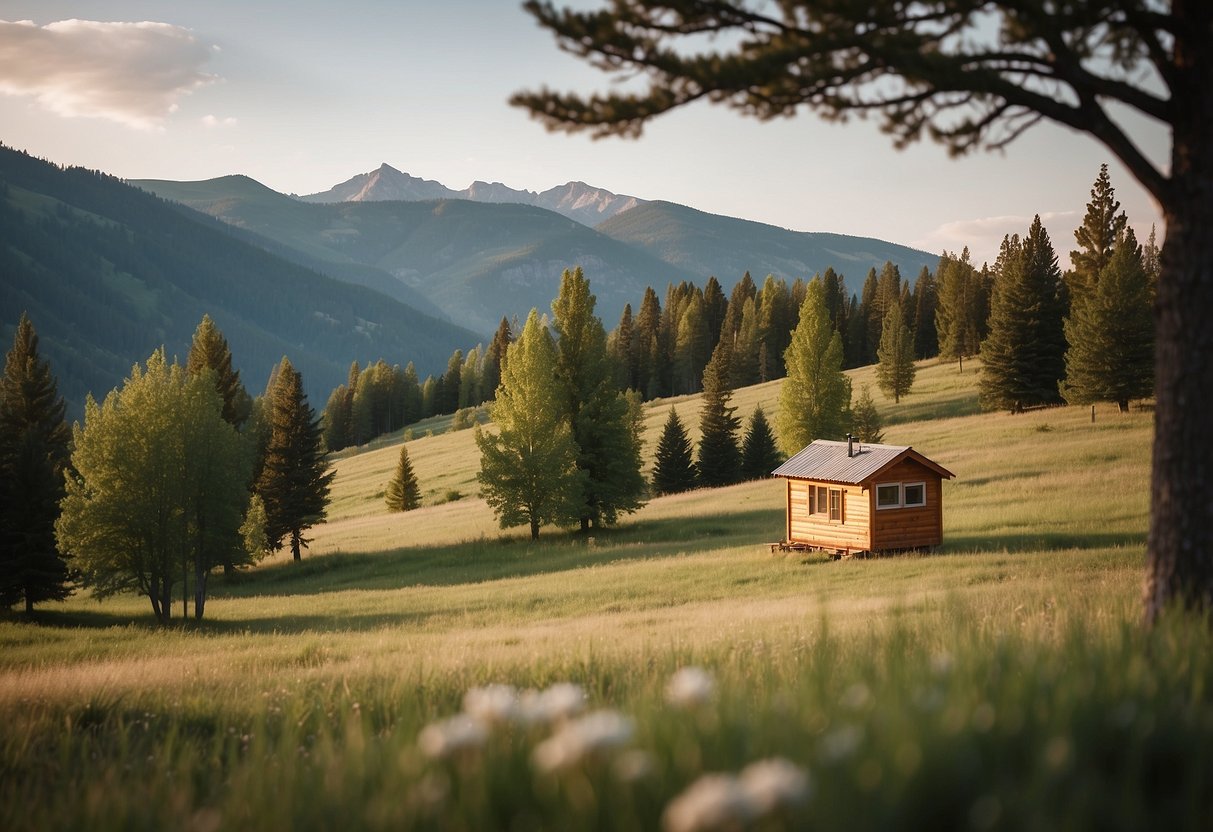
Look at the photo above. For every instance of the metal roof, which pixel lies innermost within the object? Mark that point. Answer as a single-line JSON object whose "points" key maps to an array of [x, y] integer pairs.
{"points": [[827, 460]]}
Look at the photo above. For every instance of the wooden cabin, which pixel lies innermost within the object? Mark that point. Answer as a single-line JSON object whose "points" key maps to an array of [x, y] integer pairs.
{"points": [[852, 498]]}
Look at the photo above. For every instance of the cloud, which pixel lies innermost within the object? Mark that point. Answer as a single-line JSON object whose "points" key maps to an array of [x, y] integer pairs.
{"points": [[210, 121], [131, 73], [983, 235]]}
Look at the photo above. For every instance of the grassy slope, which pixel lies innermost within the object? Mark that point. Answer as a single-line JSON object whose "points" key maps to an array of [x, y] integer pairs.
{"points": [[389, 619]]}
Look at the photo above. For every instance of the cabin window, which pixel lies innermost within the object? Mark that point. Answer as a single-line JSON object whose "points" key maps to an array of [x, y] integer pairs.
{"points": [[836, 504], [822, 502], [914, 494], [888, 495]]}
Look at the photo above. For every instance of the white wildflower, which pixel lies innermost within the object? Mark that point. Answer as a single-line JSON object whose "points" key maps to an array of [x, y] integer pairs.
{"points": [[440, 740], [690, 687], [633, 766], [592, 735], [492, 704], [775, 784], [856, 697], [563, 700], [841, 743], [713, 802]]}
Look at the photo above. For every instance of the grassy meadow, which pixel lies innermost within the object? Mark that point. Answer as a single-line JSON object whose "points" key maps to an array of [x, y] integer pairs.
{"points": [[1004, 682]]}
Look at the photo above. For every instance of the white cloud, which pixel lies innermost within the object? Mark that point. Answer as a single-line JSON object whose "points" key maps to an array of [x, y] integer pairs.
{"points": [[132, 73], [209, 120], [983, 235]]}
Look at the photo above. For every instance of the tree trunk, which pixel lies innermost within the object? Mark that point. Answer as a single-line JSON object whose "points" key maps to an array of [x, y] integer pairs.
{"points": [[295, 553], [1123, 406], [29, 604], [534, 528], [200, 576], [1180, 548]]}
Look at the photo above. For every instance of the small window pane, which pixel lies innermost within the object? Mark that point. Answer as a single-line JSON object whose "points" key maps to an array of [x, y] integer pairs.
{"points": [[916, 494], [888, 496], [821, 499], [809, 502], [835, 504]]}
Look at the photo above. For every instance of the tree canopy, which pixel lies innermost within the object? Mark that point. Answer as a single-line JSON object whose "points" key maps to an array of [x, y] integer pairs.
{"points": [[815, 397]]}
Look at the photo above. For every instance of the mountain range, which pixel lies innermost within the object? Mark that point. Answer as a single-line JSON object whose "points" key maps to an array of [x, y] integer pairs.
{"points": [[108, 273], [479, 261], [576, 200]]}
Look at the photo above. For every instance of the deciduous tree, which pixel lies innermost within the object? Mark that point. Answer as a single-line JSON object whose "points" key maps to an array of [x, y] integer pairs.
{"points": [[528, 468], [33, 456]]}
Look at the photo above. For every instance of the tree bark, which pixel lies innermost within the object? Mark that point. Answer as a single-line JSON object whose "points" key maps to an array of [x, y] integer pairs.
{"points": [[295, 553], [534, 528], [1180, 547]]}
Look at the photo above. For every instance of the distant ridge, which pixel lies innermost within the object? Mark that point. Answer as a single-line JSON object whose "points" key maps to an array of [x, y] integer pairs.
{"points": [[578, 201]]}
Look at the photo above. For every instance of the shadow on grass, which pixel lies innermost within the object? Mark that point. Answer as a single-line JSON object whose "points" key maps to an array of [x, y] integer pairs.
{"points": [[497, 558], [960, 544]]}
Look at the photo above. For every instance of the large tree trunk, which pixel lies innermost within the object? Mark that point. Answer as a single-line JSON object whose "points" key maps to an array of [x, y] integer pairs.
{"points": [[295, 553], [1180, 549]]}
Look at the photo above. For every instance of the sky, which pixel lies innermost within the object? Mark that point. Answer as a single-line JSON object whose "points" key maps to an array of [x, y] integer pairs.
{"points": [[304, 94]]}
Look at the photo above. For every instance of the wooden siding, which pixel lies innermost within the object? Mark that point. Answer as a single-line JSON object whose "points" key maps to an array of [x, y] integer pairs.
{"points": [[909, 528], [817, 529]]}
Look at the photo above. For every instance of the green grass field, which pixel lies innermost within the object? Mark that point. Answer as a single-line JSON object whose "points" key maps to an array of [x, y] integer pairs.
{"points": [[1004, 682]]}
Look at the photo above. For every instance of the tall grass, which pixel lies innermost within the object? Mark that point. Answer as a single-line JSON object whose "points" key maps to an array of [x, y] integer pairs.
{"points": [[1004, 682]]}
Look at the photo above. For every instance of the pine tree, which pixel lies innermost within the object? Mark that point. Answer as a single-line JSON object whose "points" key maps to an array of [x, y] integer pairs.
{"points": [[607, 454], [209, 351], [34, 441], [1023, 358], [674, 467], [403, 492], [866, 424], [1100, 229], [692, 349], [1150, 261], [619, 345], [759, 454], [895, 370], [1111, 334], [645, 331], [337, 412], [744, 365], [528, 468], [494, 358], [715, 309], [719, 458], [775, 322], [815, 398], [926, 301], [294, 482], [959, 313], [744, 290]]}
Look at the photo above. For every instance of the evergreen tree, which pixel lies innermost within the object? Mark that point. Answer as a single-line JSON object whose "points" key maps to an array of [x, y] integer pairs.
{"points": [[528, 468], [959, 313], [775, 323], [209, 351], [619, 345], [715, 309], [895, 370], [1100, 229], [1023, 358], [607, 453], [294, 483], [759, 454], [869, 337], [744, 290], [815, 398], [645, 330], [692, 349], [337, 413], [888, 293], [674, 467], [1111, 334], [494, 358], [744, 366], [33, 456], [403, 492], [926, 301], [1150, 260], [451, 382], [719, 459], [866, 424]]}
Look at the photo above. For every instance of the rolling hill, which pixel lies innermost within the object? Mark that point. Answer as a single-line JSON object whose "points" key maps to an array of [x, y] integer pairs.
{"points": [[109, 273], [707, 244], [474, 261]]}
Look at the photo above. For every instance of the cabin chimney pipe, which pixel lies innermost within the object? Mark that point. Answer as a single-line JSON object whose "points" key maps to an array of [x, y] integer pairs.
{"points": [[850, 446]]}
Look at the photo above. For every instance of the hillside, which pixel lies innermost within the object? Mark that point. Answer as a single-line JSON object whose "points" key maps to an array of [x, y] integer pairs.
{"points": [[1005, 682], [109, 273], [474, 261], [707, 244]]}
